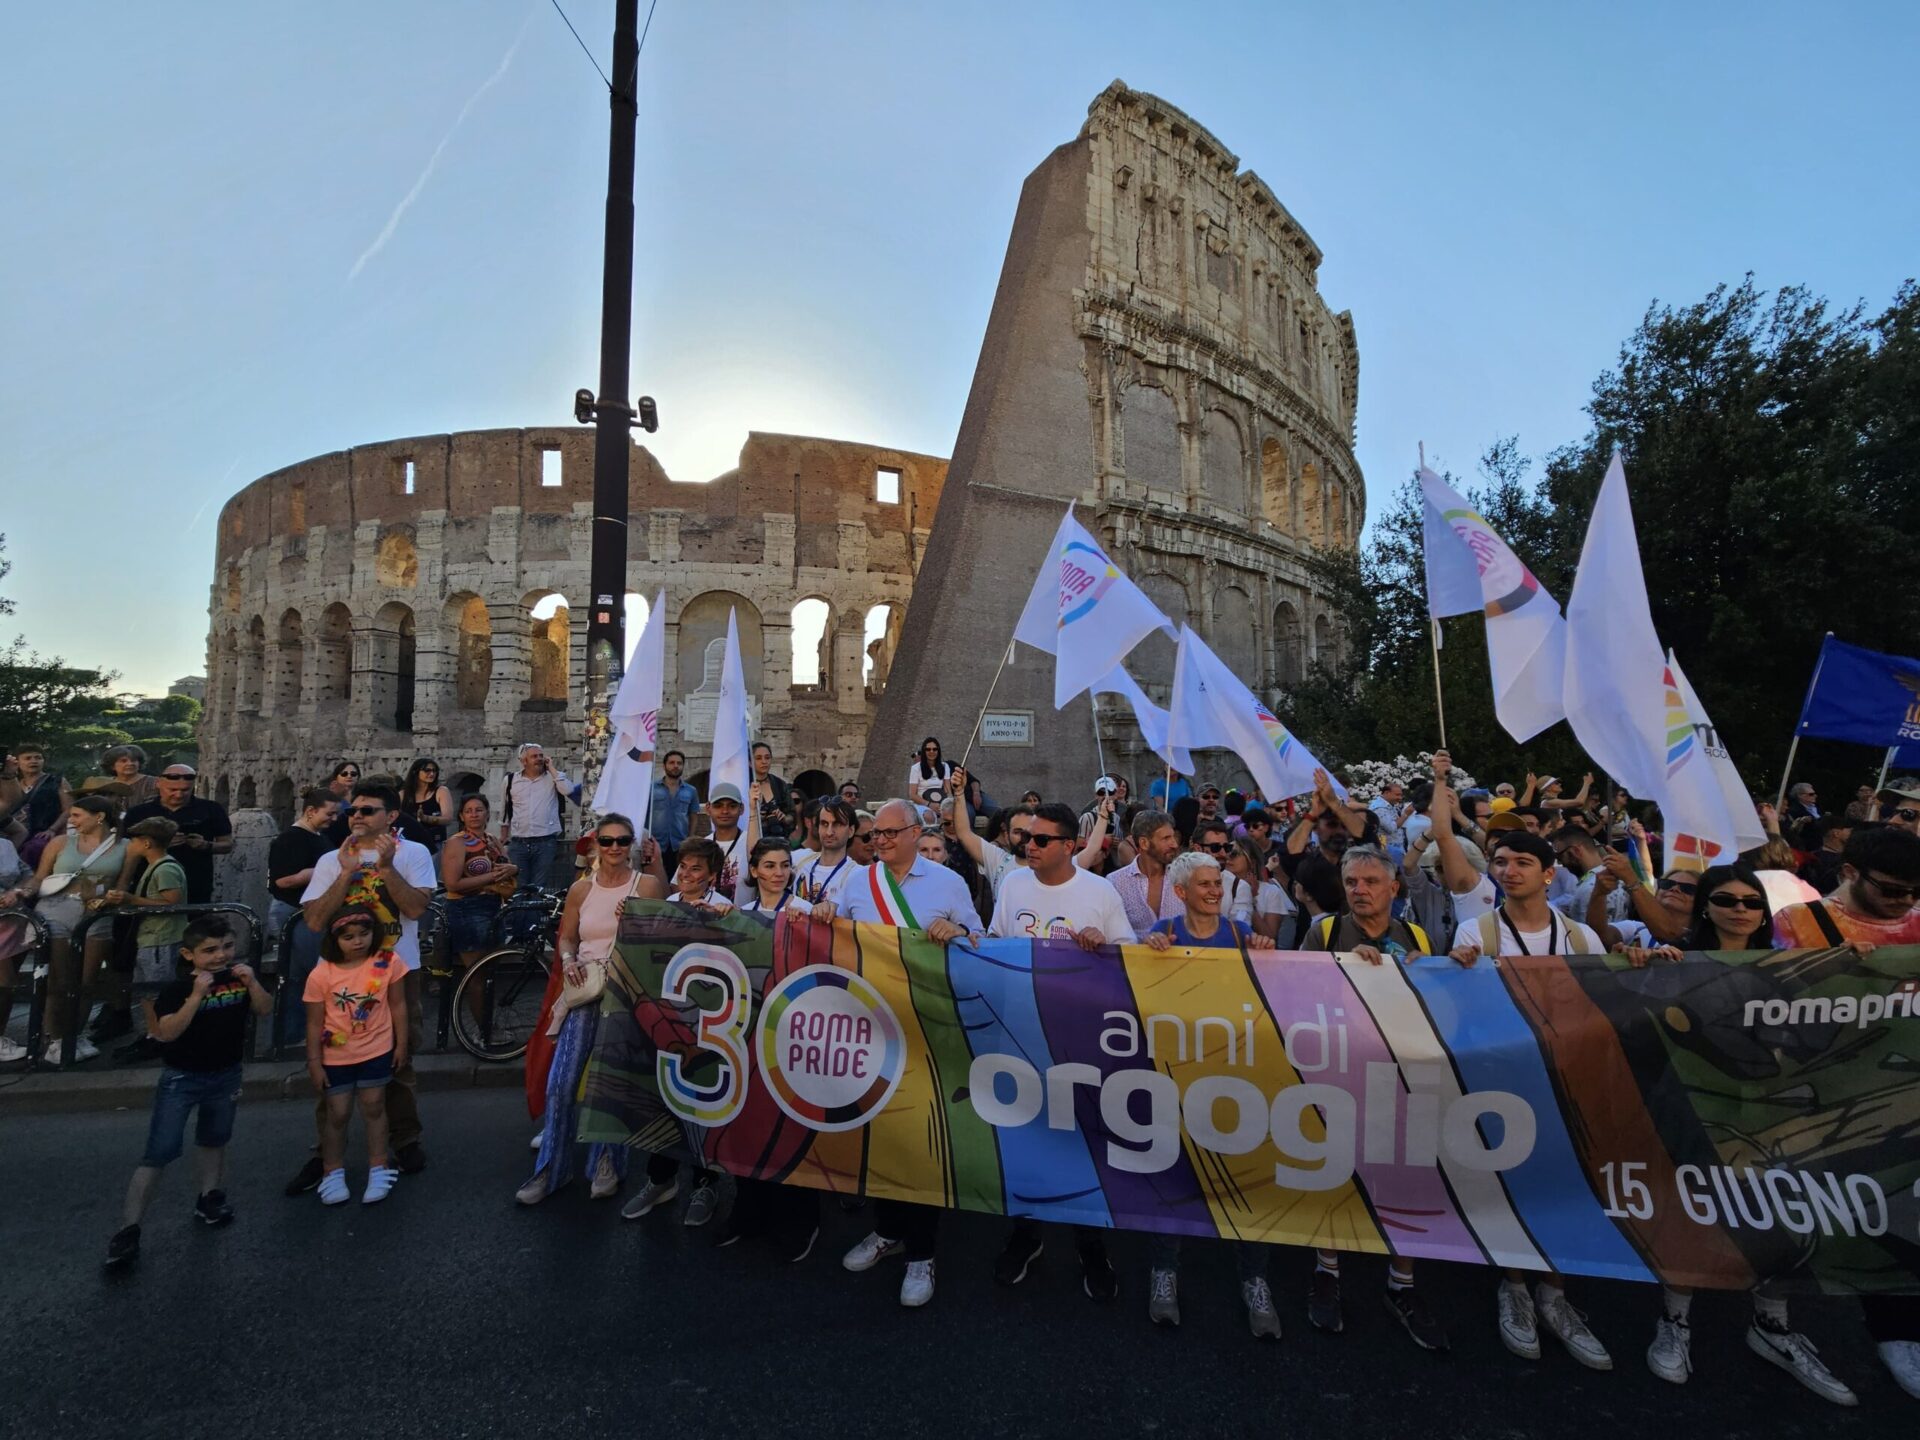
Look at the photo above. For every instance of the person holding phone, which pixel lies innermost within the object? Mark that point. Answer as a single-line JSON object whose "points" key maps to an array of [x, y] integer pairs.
{"points": [[530, 819]]}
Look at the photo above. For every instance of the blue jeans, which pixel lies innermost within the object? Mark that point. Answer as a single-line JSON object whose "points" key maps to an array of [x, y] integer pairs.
{"points": [[215, 1092], [303, 952], [533, 855], [1249, 1257]]}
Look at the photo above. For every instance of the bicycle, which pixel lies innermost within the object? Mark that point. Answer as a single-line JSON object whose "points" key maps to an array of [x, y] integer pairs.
{"points": [[497, 1003]]}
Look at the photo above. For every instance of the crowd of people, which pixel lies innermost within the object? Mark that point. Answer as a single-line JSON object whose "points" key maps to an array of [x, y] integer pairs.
{"points": [[1427, 868]]}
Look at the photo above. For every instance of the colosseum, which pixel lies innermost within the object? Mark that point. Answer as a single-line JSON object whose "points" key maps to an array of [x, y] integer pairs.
{"points": [[1157, 352]]}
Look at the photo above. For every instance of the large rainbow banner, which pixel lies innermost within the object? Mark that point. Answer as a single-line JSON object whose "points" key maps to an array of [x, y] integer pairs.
{"points": [[1711, 1122]]}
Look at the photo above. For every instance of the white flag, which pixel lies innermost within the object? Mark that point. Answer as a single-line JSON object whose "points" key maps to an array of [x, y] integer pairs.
{"points": [[1152, 719], [626, 783], [1615, 668], [1709, 815], [1526, 638], [731, 760], [1453, 575], [1084, 612], [1212, 708]]}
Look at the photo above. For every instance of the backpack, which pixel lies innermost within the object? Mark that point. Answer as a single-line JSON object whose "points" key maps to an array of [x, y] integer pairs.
{"points": [[1411, 937], [1489, 928]]}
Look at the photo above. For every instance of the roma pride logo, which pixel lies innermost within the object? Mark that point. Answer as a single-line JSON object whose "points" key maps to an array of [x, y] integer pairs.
{"points": [[1681, 743], [830, 1048], [1278, 735], [1504, 581], [1085, 577]]}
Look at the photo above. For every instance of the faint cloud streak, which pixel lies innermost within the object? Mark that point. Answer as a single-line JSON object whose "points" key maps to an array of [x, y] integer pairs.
{"points": [[433, 160]]}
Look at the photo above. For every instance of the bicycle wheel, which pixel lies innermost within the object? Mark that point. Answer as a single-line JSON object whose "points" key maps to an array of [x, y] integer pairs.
{"points": [[497, 1003]]}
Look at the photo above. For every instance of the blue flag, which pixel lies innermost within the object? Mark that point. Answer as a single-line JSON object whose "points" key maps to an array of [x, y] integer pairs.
{"points": [[1864, 696]]}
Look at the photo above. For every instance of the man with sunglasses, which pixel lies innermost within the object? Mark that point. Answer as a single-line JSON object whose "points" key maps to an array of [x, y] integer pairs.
{"points": [[994, 861], [202, 829], [1900, 806], [1873, 905], [393, 877]]}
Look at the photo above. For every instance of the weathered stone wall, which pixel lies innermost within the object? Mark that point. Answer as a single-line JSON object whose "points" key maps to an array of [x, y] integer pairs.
{"points": [[376, 603], [1158, 352]]}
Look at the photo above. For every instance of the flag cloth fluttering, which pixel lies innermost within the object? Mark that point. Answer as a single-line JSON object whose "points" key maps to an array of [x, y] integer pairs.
{"points": [[633, 723], [731, 760], [1212, 708], [1084, 612]]}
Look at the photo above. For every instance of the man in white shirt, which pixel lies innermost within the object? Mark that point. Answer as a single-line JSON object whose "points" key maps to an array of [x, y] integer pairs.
{"points": [[394, 878], [1525, 924], [1388, 808], [1054, 899], [994, 861], [530, 814], [1143, 886], [820, 876]]}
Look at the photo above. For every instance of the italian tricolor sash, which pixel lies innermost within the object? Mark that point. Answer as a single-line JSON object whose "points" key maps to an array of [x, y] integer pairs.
{"points": [[888, 899]]}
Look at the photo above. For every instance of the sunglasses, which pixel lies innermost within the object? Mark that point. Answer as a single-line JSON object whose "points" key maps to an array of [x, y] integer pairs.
{"points": [[1684, 887], [613, 840], [1042, 841], [346, 774], [1903, 813], [1891, 890], [1736, 902], [1216, 848], [366, 810]]}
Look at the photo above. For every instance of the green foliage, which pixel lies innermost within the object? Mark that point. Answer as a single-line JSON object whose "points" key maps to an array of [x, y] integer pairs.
{"points": [[1772, 448]]}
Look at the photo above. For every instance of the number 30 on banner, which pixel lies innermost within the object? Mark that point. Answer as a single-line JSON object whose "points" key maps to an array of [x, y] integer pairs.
{"points": [[721, 1033]]}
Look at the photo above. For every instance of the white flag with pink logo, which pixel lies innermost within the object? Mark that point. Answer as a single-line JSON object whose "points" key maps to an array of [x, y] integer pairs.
{"points": [[626, 783], [1526, 636], [1084, 612]]}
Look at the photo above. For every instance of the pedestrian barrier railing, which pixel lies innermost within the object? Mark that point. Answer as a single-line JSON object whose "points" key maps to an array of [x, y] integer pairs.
{"points": [[28, 965]]}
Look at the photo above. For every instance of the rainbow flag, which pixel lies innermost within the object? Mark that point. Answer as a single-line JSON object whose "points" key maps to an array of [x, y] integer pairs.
{"points": [[1713, 1122]]}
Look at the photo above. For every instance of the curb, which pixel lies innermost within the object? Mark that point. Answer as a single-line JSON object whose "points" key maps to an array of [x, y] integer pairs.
{"points": [[59, 1092]]}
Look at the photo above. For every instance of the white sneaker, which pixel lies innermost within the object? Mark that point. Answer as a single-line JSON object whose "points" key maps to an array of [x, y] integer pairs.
{"points": [[333, 1188], [1794, 1353], [606, 1180], [11, 1050], [83, 1049], [1569, 1327], [653, 1194], [380, 1182], [534, 1191], [916, 1286], [1902, 1359], [1163, 1297], [538, 1136], [1517, 1329], [1671, 1354], [870, 1252]]}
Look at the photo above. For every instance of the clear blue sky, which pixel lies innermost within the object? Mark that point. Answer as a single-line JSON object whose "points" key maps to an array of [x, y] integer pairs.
{"points": [[825, 194]]}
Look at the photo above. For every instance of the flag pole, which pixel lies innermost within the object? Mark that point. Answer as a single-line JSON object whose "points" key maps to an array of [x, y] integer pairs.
{"points": [[1886, 764], [1005, 655], [1099, 749], [1780, 801], [1433, 628]]}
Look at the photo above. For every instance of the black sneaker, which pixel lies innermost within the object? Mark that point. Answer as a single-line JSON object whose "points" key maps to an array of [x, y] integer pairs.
{"points": [[111, 1025], [1411, 1310], [123, 1248], [410, 1158], [1323, 1302], [1097, 1275], [213, 1210], [308, 1178], [1022, 1249]]}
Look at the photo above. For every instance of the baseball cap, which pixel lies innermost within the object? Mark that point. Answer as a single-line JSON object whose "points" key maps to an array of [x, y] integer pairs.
{"points": [[1906, 787], [1502, 804], [1106, 785], [725, 792], [1506, 820]]}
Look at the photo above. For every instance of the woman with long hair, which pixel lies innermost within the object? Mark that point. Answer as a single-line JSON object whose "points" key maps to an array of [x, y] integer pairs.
{"points": [[428, 803], [1730, 913], [927, 775], [588, 927], [76, 870], [478, 877]]}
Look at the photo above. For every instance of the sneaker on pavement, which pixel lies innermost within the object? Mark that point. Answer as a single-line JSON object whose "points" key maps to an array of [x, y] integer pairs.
{"points": [[1097, 1275], [410, 1159], [1795, 1354], [1262, 1319], [123, 1248], [213, 1210], [870, 1252], [1408, 1305], [1518, 1332], [1323, 1302], [333, 1188], [1163, 1297], [380, 1183], [1023, 1247], [83, 1049], [1569, 1327], [706, 1200], [310, 1175], [652, 1196], [535, 1190], [11, 1051], [606, 1179], [916, 1286], [1671, 1354], [1902, 1359]]}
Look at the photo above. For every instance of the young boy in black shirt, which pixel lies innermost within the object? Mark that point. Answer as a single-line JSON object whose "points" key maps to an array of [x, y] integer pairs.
{"points": [[201, 1024]]}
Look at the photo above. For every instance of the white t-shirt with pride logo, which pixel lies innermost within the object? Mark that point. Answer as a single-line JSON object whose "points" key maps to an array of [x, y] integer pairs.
{"points": [[1028, 910]]}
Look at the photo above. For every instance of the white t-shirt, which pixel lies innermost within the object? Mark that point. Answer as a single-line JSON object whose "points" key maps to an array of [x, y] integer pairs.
{"points": [[1236, 898], [412, 862], [1476, 902], [1552, 940], [996, 863], [815, 880], [1272, 900], [1029, 910], [918, 785]]}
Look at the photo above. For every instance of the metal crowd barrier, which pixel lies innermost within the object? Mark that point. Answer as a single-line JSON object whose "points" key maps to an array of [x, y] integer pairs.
{"points": [[30, 964]]}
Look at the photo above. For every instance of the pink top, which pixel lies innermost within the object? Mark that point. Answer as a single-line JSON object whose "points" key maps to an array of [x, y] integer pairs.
{"points": [[600, 918]]}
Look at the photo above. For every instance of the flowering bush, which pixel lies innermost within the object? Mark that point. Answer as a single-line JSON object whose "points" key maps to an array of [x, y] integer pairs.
{"points": [[1365, 777]]}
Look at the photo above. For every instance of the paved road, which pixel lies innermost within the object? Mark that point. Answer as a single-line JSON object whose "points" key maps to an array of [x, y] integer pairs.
{"points": [[450, 1311]]}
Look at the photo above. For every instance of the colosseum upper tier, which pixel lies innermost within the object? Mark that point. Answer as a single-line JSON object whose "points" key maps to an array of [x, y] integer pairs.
{"points": [[419, 597]]}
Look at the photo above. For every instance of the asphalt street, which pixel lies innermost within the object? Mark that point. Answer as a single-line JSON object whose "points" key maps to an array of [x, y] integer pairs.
{"points": [[451, 1311]]}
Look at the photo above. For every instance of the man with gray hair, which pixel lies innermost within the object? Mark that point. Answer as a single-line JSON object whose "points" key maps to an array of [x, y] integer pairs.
{"points": [[1369, 932], [530, 813], [1143, 883]]}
